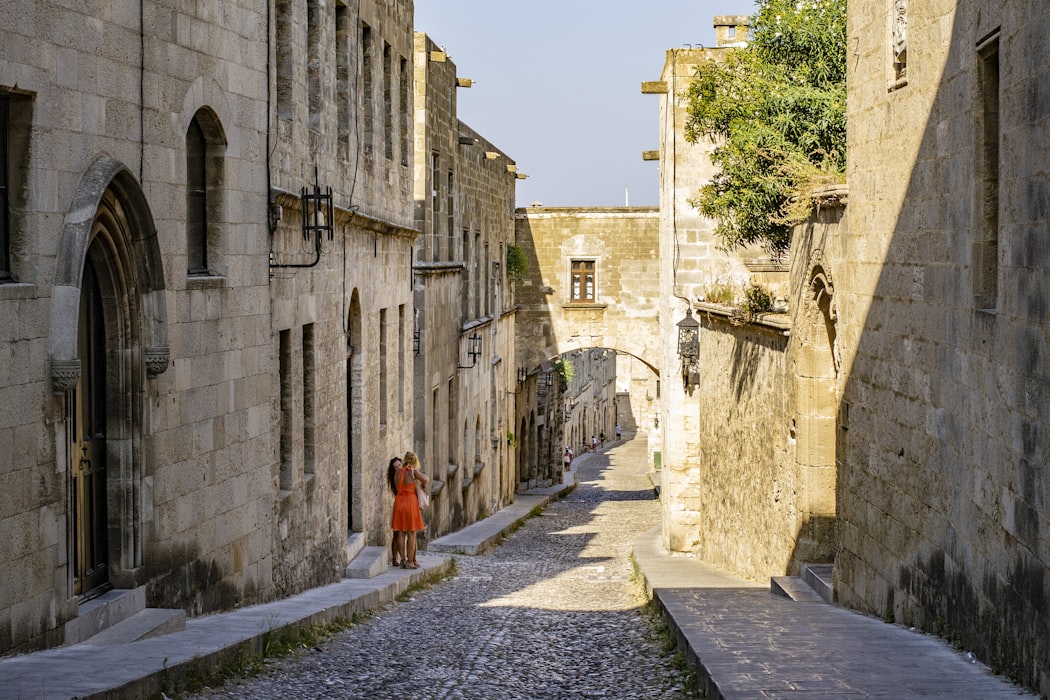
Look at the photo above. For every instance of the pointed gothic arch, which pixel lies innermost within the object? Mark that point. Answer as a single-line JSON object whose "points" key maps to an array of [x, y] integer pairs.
{"points": [[107, 312]]}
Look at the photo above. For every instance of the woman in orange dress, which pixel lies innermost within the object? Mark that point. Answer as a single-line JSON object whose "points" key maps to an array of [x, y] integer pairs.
{"points": [[406, 519]]}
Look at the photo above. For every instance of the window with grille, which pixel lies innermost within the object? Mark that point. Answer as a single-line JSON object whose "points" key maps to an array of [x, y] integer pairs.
{"points": [[582, 281]]}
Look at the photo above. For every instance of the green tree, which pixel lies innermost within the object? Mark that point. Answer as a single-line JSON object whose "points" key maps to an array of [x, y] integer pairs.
{"points": [[777, 110]]}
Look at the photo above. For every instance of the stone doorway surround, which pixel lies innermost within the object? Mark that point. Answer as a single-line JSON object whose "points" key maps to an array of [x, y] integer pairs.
{"points": [[110, 220]]}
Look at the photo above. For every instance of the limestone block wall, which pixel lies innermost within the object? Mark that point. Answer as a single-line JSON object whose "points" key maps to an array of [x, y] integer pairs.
{"points": [[745, 485], [690, 263], [189, 450], [942, 488], [464, 196]]}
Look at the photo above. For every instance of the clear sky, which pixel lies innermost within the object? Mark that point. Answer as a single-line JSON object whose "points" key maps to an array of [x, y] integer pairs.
{"points": [[559, 86]]}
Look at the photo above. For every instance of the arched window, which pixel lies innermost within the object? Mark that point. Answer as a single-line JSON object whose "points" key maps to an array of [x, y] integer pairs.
{"points": [[196, 200], [205, 146]]}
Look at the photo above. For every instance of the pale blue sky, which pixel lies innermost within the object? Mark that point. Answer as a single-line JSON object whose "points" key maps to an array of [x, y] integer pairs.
{"points": [[559, 85]]}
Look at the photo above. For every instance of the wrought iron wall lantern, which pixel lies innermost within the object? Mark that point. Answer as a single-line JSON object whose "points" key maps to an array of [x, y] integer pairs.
{"points": [[417, 333], [523, 375], [318, 217], [689, 350], [473, 349], [544, 384], [318, 211]]}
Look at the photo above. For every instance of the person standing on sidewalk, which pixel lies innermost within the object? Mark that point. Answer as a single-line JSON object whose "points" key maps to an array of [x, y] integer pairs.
{"points": [[407, 519], [567, 458], [594, 444], [619, 431]]}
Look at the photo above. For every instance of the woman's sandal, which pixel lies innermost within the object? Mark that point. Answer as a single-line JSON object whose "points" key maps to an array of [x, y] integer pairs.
{"points": [[412, 565]]}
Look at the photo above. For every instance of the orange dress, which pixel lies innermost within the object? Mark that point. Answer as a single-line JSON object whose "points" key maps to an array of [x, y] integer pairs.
{"points": [[406, 516]]}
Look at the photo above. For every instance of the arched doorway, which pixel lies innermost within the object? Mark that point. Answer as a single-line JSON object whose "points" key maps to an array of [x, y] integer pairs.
{"points": [[107, 335]]}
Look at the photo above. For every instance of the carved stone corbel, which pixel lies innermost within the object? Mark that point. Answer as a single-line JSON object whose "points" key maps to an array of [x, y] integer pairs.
{"points": [[64, 375], [157, 359]]}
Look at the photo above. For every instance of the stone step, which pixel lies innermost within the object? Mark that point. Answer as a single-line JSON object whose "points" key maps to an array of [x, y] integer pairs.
{"points": [[820, 578], [151, 622], [794, 588], [371, 562], [104, 611]]}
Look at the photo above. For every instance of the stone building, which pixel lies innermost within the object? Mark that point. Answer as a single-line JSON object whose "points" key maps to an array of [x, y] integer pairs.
{"points": [[590, 294], [691, 267], [341, 307], [464, 393], [199, 394], [898, 431], [940, 298]]}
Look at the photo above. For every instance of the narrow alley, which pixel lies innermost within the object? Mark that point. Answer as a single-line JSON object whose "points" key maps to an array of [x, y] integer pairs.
{"points": [[553, 612]]}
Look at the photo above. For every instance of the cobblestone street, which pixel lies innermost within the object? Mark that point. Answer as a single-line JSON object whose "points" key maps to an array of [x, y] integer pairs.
{"points": [[553, 612]]}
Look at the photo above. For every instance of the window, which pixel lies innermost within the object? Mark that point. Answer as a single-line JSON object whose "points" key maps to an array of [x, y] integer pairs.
{"points": [[388, 103], [287, 405], [309, 400], [313, 62], [582, 281], [403, 76], [196, 201], [342, 75], [285, 69], [16, 119], [5, 188], [367, 103], [450, 214], [383, 388], [204, 162], [986, 245], [435, 206]]}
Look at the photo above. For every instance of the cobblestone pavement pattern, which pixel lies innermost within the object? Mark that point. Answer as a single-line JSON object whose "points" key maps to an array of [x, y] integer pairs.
{"points": [[553, 612]]}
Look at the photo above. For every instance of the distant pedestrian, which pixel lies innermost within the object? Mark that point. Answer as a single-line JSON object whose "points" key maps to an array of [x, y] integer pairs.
{"points": [[601, 438], [619, 431], [594, 444], [567, 458]]}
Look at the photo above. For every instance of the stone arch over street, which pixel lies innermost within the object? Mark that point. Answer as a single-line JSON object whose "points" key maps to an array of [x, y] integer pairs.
{"points": [[592, 281]]}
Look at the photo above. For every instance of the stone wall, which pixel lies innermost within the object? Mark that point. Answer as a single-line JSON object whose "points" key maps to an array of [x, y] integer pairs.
{"points": [[239, 457], [943, 319], [465, 367]]}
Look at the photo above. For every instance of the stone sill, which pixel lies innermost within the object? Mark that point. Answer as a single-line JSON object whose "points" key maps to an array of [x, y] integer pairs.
{"points": [[17, 290], [583, 307]]}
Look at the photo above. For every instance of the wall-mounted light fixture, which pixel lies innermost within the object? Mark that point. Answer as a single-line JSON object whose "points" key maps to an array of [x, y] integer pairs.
{"points": [[521, 176], [318, 214], [318, 218], [523, 374], [544, 384], [491, 155], [464, 82], [473, 349], [689, 350], [467, 141], [416, 333]]}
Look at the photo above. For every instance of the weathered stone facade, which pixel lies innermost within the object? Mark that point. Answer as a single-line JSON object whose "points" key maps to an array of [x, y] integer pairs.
{"points": [[177, 413], [592, 284], [465, 371], [691, 264], [341, 303], [941, 296]]}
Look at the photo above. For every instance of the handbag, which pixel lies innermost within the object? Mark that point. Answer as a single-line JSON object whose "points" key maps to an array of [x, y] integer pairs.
{"points": [[421, 496]]}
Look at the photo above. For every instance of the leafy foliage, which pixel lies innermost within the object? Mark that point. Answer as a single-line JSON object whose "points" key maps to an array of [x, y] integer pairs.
{"points": [[778, 110], [517, 264]]}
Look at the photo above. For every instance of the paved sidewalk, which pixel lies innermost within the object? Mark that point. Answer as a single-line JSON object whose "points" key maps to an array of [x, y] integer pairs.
{"points": [[745, 642]]}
